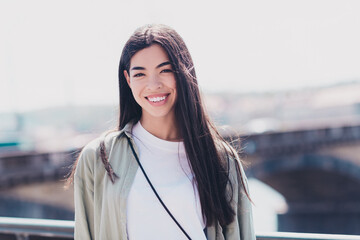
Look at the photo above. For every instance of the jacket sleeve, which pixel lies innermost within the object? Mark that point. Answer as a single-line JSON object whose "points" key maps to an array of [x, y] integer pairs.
{"points": [[84, 195], [242, 227], [244, 210]]}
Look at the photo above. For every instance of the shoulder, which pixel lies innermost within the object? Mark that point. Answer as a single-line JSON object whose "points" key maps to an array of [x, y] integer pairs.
{"points": [[93, 147], [235, 167], [90, 153], [229, 156]]}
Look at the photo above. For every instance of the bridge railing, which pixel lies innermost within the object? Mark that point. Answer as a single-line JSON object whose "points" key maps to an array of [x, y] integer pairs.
{"points": [[44, 229], [26, 167], [298, 141]]}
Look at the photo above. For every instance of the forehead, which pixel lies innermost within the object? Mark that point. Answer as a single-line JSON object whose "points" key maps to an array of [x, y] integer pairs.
{"points": [[149, 57]]}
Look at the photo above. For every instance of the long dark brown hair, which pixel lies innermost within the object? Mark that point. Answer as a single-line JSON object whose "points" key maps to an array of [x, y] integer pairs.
{"points": [[206, 149]]}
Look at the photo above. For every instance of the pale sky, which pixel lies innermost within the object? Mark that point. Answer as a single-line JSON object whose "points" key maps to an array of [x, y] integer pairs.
{"points": [[67, 52]]}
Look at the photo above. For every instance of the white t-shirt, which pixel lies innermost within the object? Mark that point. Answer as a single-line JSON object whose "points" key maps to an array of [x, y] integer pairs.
{"points": [[167, 167]]}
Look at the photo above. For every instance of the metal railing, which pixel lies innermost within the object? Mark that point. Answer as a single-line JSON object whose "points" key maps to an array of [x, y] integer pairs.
{"points": [[44, 229], [33, 228], [303, 236]]}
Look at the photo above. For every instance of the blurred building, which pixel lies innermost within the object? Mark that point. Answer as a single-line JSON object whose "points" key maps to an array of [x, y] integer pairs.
{"points": [[330, 106]]}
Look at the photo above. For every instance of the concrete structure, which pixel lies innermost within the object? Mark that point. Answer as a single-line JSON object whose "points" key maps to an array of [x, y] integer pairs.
{"points": [[318, 173], [24, 168]]}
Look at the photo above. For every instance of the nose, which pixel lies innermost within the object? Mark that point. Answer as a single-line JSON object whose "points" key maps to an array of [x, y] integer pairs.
{"points": [[154, 83]]}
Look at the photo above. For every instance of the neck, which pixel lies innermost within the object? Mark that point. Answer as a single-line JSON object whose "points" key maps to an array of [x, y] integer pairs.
{"points": [[162, 127]]}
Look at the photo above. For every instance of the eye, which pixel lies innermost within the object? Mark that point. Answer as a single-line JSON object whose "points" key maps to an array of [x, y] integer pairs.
{"points": [[167, 71], [138, 75]]}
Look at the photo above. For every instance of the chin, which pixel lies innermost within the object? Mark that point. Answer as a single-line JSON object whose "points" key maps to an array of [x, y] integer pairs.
{"points": [[159, 114]]}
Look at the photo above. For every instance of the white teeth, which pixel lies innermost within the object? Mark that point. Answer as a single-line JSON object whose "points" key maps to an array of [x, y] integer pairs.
{"points": [[157, 99]]}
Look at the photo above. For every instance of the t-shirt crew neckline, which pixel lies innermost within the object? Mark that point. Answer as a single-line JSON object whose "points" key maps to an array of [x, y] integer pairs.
{"points": [[153, 141]]}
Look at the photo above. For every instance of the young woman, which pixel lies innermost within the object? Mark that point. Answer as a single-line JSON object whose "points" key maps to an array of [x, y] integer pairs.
{"points": [[165, 173]]}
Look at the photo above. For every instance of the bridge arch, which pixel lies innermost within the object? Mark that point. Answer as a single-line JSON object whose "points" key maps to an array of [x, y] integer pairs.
{"points": [[322, 192]]}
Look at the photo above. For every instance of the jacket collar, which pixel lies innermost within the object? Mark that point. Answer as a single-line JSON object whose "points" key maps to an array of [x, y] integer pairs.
{"points": [[127, 130]]}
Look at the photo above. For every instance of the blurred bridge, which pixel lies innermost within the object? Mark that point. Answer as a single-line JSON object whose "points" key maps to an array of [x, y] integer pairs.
{"points": [[27, 167], [317, 171]]}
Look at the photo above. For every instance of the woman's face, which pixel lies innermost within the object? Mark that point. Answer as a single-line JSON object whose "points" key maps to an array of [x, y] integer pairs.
{"points": [[152, 82]]}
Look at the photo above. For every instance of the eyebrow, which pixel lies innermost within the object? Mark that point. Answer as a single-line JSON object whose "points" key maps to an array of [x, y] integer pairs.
{"points": [[158, 66]]}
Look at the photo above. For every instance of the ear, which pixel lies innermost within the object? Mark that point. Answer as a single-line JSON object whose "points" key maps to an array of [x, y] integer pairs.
{"points": [[127, 77]]}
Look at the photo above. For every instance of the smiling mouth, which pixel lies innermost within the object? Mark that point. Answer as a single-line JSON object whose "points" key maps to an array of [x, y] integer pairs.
{"points": [[157, 99]]}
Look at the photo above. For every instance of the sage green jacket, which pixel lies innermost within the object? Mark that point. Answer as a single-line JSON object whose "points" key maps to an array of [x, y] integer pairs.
{"points": [[100, 205]]}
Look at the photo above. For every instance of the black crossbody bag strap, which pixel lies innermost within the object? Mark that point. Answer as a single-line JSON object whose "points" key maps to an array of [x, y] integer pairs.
{"points": [[152, 187]]}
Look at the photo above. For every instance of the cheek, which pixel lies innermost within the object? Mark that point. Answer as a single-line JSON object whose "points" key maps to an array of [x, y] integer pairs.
{"points": [[172, 84], [135, 87], [135, 90]]}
